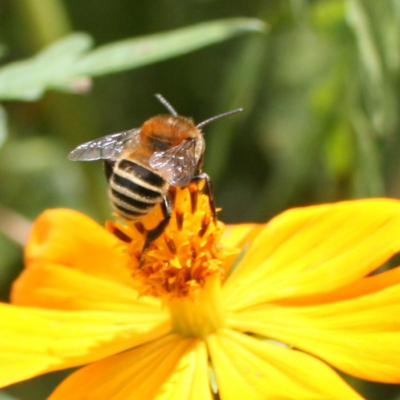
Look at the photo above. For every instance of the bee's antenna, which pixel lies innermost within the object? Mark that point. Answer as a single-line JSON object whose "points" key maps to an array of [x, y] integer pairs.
{"points": [[166, 104], [207, 121]]}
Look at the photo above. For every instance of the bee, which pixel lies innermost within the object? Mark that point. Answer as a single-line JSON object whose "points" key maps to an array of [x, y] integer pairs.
{"points": [[144, 165]]}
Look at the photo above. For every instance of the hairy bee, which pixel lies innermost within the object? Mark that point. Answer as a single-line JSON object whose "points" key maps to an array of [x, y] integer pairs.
{"points": [[144, 164]]}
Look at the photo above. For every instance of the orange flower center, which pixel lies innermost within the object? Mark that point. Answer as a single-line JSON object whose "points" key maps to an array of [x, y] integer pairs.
{"points": [[178, 263]]}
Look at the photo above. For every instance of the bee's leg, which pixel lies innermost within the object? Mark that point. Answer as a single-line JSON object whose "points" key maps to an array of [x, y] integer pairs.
{"points": [[108, 168], [166, 208], [208, 191]]}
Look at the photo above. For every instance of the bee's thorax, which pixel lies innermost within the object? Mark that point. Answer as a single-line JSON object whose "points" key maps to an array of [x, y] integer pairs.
{"points": [[163, 132]]}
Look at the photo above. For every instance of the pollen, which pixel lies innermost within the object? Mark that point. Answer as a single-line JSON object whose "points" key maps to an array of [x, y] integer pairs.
{"points": [[189, 251]]}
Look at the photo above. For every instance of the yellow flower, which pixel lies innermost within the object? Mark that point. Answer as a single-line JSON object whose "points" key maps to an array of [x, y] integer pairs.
{"points": [[258, 311]]}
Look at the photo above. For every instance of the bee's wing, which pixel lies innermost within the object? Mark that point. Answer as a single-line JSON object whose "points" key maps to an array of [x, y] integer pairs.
{"points": [[176, 165], [106, 147]]}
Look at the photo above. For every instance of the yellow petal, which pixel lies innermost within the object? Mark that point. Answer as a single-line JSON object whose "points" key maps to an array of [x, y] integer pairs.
{"points": [[364, 286], [34, 341], [237, 235], [360, 336], [72, 239], [315, 250], [49, 285], [169, 368], [251, 369]]}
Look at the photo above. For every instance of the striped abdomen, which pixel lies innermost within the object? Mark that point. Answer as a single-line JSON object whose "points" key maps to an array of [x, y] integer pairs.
{"points": [[134, 189]]}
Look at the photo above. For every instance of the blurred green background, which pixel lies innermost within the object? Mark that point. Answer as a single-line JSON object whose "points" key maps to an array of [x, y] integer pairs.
{"points": [[319, 87]]}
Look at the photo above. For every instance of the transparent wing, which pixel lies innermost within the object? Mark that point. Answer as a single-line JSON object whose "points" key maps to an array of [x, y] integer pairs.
{"points": [[176, 165], [106, 147]]}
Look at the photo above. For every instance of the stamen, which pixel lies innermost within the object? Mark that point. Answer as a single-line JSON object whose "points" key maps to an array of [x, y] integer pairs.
{"points": [[179, 215], [194, 194], [140, 227], [204, 225], [177, 264], [170, 243], [118, 233], [172, 194], [121, 235]]}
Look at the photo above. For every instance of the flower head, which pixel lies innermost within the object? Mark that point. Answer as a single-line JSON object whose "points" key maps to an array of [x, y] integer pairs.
{"points": [[178, 263], [269, 308]]}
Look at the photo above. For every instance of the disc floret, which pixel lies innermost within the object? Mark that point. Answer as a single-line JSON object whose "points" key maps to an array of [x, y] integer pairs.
{"points": [[178, 263]]}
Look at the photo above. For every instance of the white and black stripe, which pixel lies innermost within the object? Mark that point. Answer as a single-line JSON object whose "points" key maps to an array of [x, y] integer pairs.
{"points": [[135, 189]]}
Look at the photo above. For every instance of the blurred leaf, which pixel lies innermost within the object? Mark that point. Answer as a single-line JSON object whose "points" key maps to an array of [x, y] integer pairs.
{"points": [[249, 65], [3, 50], [45, 20], [360, 20], [62, 64], [43, 160], [329, 17], [300, 9], [339, 150], [369, 178], [293, 168], [52, 67], [3, 125], [134, 53], [375, 27], [6, 396], [10, 263]]}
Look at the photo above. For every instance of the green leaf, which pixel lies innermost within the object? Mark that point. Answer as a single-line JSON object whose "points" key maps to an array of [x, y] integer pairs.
{"points": [[3, 126], [6, 396], [360, 21], [135, 53], [375, 27], [28, 79], [62, 65]]}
